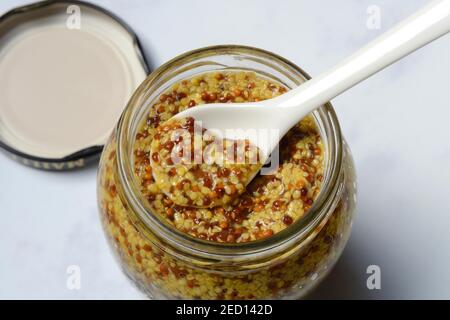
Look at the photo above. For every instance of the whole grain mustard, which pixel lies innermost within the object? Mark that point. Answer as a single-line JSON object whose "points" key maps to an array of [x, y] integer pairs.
{"points": [[268, 205]]}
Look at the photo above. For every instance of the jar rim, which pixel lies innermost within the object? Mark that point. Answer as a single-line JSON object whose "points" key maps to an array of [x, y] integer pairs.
{"points": [[216, 250]]}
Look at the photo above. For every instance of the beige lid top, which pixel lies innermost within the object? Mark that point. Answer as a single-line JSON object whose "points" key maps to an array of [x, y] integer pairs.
{"points": [[67, 70]]}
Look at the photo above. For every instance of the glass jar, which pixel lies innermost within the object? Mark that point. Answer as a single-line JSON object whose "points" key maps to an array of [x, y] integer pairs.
{"points": [[166, 263]]}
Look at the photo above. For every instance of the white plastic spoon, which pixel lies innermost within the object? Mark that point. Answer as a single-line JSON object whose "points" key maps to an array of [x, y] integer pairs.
{"points": [[283, 112]]}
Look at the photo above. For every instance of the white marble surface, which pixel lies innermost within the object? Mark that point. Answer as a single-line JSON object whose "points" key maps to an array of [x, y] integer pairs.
{"points": [[396, 124]]}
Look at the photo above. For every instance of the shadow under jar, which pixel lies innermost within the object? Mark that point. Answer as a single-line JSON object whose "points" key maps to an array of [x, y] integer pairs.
{"points": [[167, 263]]}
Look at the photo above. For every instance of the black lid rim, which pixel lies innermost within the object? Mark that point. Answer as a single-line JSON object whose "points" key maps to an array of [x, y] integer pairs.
{"points": [[90, 153]]}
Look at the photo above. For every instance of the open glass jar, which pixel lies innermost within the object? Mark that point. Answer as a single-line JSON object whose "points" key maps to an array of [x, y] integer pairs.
{"points": [[167, 263]]}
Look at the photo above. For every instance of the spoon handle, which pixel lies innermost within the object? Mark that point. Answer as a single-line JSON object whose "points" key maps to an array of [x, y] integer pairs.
{"points": [[424, 26]]}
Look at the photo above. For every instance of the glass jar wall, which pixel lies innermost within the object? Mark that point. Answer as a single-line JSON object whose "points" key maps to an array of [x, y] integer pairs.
{"points": [[166, 263]]}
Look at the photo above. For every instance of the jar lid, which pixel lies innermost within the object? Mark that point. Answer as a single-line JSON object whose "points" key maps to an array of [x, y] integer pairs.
{"points": [[67, 71]]}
